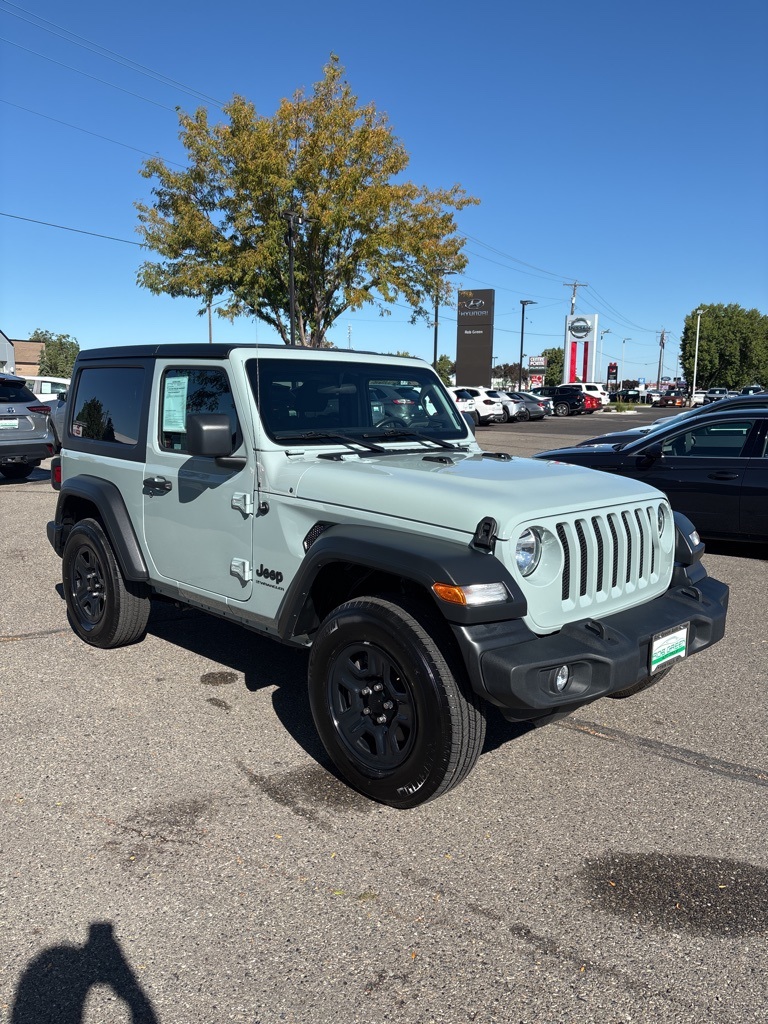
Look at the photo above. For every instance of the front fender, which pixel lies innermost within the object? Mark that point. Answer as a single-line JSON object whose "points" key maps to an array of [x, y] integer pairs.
{"points": [[418, 559]]}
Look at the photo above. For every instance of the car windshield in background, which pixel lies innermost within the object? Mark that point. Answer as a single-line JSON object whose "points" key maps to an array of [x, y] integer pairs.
{"points": [[314, 403]]}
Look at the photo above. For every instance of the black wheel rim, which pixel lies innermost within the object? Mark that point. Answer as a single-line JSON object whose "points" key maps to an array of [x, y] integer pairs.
{"points": [[372, 707], [87, 587]]}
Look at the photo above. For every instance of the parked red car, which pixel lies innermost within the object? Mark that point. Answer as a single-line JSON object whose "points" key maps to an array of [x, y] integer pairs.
{"points": [[592, 404]]}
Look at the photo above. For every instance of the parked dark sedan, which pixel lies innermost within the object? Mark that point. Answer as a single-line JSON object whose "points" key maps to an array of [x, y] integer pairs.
{"points": [[713, 468], [622, 437]]}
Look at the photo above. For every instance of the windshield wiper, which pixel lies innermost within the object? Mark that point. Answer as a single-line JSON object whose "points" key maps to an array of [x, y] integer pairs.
{"points": [[318, 435], [390, 435]]}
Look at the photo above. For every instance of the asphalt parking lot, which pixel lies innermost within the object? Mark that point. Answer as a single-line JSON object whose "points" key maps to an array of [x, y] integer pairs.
{"points": [[174, 848]]}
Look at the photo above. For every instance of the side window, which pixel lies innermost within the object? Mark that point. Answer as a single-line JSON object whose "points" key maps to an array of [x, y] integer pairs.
{"points": [[108, 404], [188, 390], [715, 440]]}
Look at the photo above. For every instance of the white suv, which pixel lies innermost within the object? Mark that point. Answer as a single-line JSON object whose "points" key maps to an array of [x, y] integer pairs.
{"points": [[596, 390], [464, 401], [488, 405]]}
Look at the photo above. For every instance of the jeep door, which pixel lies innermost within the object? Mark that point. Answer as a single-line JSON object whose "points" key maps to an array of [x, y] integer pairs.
{"points": [[198, 512]]}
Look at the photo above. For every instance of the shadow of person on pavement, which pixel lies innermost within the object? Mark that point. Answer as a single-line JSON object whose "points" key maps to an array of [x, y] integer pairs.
{"points": [[54, 987]]}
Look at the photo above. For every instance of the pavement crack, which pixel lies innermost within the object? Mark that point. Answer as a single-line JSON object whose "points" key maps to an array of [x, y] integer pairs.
{"points": [[669, 752]]}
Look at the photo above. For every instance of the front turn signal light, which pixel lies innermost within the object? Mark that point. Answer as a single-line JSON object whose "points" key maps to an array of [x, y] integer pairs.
{"points": [[473, 596]]}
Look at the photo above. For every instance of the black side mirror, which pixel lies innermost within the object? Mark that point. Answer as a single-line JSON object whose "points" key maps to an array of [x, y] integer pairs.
{"points": [[470, 421], [651, 454], [209, 435]]}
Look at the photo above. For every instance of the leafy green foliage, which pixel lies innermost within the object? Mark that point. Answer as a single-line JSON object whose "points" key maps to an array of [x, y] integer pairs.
{"points": [[446, 368], [333, 171], [58, 353], [554, 374], [733, 347]]}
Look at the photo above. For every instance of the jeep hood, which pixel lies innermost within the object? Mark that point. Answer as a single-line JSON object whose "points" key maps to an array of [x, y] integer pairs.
{"points": [[456, 495]]}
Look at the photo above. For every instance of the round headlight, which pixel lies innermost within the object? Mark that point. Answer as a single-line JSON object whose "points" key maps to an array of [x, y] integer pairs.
{"points": [[528, 551], [661, 519]]}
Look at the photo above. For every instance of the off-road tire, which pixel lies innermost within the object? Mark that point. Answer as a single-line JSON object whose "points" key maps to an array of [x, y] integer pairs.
{"points": [[104, 609], [391, 701]]}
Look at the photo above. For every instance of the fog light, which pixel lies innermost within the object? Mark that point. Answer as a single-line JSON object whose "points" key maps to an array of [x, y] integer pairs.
{"points": [[562, 677]]}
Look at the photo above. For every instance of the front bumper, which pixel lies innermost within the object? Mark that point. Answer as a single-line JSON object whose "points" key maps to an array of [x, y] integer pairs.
{"points": [[515, 669]]}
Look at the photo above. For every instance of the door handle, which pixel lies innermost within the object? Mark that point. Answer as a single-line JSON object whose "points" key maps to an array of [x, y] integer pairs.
{"points": [[158, 483], [723, 476]]}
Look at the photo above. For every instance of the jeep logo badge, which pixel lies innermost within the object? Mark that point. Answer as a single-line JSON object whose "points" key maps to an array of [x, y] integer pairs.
{"points": [[269, 574]]}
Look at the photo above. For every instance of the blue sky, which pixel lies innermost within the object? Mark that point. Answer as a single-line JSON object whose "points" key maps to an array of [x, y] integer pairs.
{"points": [[621, 146]]}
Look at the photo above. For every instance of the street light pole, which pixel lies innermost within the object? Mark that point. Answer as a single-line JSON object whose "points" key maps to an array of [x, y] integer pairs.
{"points": [[623, 344], [523, 304], [600, 355], [440, 273], [696, 353]]}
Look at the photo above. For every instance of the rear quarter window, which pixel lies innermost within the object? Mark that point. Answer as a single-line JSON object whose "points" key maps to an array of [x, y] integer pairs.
{"points": [[107, 404]]}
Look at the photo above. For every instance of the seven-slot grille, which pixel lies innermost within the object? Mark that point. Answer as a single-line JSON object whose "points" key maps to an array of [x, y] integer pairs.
{"points": [[612, 552]]}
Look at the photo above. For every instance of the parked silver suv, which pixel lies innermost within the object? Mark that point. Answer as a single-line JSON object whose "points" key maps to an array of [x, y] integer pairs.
{"points": [[25, 431]]}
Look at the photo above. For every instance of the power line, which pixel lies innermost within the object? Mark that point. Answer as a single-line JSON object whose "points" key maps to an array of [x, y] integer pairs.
{"points": [[77, 128], [63, 227], [514, 259], [85, 74], [103, 51]]}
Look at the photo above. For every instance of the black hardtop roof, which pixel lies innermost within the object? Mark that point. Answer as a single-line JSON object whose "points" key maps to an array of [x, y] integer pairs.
{"points": [[201, 350]]}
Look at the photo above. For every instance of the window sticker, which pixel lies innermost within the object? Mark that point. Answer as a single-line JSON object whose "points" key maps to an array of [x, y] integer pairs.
{"points": [[175, 405]]}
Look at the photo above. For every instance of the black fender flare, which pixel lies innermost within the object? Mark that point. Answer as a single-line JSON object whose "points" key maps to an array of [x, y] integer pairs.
{"points": [[420, 559], [109, 503]]}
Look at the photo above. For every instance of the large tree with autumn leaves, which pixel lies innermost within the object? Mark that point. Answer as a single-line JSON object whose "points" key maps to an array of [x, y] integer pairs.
{"points": [[327, 168]]}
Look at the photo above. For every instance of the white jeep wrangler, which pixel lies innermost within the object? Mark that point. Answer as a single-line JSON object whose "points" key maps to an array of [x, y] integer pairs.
{"points": [[338, 501]]}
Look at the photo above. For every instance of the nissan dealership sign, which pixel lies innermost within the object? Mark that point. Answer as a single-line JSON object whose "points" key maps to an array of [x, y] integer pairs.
{"points": [[581, 328]]}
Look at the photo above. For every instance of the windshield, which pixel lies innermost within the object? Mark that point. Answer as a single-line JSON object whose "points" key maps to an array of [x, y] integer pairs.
{"points": [[15, 391], [318, 402], [680, 417]]}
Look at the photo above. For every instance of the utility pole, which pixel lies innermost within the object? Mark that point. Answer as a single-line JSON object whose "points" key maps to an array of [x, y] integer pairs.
{"points": [[574, 285], [661, 358], [440, 273]]}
